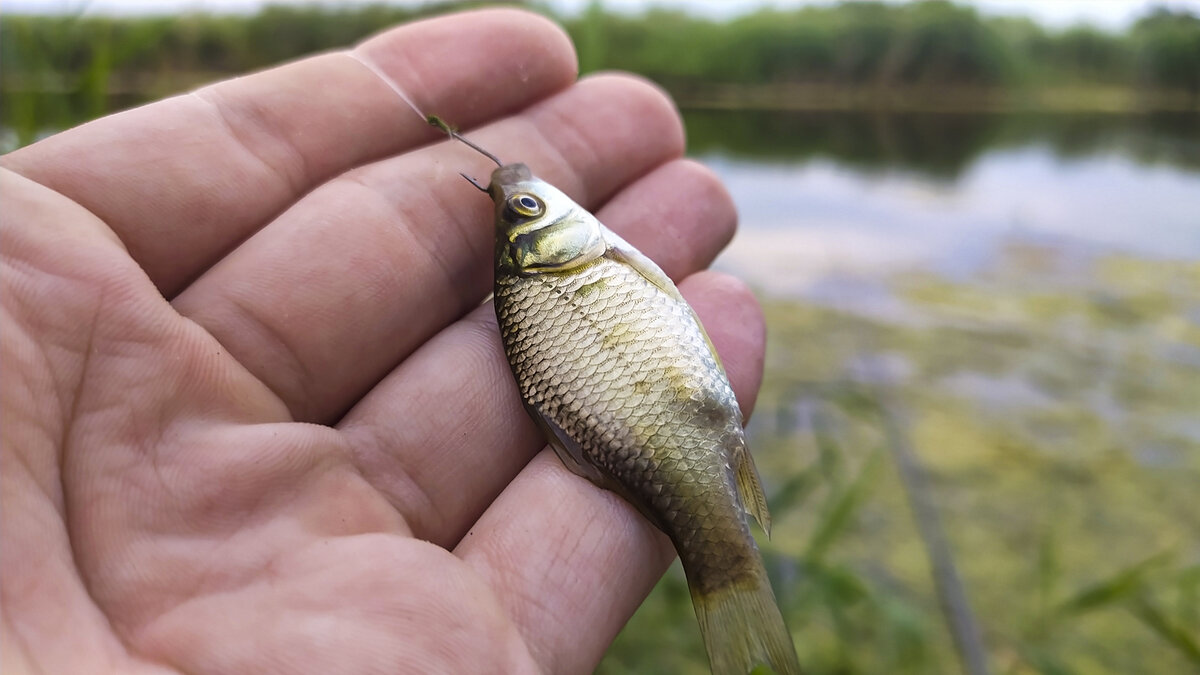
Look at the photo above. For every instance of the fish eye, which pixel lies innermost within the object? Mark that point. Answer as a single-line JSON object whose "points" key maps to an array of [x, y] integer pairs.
{"points": [[525, 205]]}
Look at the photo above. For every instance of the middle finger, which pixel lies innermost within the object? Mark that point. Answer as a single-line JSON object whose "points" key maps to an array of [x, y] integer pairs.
{"points": [[326, 299]]}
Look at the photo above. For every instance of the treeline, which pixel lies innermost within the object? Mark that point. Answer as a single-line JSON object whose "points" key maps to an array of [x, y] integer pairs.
{"points": [[92, 64], [872, 43]]}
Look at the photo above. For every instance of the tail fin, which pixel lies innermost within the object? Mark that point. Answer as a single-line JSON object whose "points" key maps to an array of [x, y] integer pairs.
{"points": [[742, 629]]}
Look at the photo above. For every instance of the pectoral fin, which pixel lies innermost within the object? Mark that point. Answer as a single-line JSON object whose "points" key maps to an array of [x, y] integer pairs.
{"points": [[750, 488], [567, 449], [571, 454]]}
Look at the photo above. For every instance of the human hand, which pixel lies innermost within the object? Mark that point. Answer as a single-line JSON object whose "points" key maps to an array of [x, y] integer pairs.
{"points": [[255, 418]]}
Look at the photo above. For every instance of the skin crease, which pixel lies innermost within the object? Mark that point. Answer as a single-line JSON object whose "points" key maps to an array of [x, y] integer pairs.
{"points": [[254, 418]]}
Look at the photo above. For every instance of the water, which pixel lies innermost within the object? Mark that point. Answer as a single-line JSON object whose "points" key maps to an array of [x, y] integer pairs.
{"points": [[801, 221], [934, 220], [881, 202], [1028, 289]]}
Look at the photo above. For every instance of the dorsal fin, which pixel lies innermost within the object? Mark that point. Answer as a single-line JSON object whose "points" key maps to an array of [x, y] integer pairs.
{"points": [[621, 251]]}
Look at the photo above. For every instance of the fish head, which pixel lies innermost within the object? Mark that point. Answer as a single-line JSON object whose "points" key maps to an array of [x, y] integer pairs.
{"points": [[538, 228]]}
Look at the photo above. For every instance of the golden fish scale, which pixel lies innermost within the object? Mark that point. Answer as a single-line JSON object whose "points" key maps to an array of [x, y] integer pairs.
{"points": [[623, 368]]}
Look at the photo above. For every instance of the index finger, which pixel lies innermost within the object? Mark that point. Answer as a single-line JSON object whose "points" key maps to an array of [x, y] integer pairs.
{"points": [[184, 180]]}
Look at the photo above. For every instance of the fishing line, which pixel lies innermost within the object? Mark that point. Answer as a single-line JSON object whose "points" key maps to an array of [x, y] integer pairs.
{"points": [[430, 119], [386, 80]]}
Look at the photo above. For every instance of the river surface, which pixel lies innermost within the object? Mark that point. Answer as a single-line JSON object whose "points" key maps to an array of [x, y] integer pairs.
{"points": [[883, 203]]}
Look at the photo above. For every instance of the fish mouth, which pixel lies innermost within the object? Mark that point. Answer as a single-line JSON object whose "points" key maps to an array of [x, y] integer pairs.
{"points": [[506, 178]]}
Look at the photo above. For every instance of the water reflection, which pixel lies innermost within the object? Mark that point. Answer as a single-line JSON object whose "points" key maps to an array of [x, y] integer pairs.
{"points": [[804, 221], [939, 146], [833, 205]]}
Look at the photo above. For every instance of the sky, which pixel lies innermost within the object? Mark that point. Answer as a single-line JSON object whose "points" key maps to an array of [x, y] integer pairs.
{"points": [[1107, 14]]}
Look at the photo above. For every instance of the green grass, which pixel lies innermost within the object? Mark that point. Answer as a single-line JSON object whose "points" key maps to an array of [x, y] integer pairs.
{"points": [[1071, 525]]}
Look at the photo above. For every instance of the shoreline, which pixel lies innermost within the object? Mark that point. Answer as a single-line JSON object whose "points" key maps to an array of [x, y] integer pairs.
{"points": [[787, 97], [1066, 99]]}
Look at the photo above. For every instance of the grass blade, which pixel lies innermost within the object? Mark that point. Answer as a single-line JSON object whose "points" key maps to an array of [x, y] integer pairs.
{"points": [[952, 597], [1116, 588], [1173, 634], [835, 519]]}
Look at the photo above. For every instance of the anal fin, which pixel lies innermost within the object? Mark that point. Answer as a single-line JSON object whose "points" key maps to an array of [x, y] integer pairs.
{"points": [[750, 489]]}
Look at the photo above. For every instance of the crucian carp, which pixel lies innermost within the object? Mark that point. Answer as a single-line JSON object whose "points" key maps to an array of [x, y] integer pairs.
{"points": [[614, 367]]}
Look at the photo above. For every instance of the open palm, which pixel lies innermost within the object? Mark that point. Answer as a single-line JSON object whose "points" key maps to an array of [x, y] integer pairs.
{"points": [[255, 418]]}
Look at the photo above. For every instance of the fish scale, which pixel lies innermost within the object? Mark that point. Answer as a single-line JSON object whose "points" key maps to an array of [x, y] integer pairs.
{"points": [[579, 356]]}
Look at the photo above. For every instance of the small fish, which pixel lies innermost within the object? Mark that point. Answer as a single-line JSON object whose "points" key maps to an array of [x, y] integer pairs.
{"points": [[615, 368]]}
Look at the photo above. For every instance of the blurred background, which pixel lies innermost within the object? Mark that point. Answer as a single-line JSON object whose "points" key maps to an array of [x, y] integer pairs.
{"points": [[975, 228]]}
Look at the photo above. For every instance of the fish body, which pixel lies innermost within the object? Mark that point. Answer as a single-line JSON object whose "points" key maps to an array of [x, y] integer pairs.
{"points": [[616, 370]]}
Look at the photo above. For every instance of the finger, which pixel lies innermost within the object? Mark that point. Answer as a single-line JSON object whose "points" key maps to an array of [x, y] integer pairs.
{"points": [[571, 562], [329, 297], [460, 393], [183, 180]]}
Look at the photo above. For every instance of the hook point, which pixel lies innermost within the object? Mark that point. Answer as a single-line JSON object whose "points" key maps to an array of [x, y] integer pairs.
{"points": [[474, 182]]}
